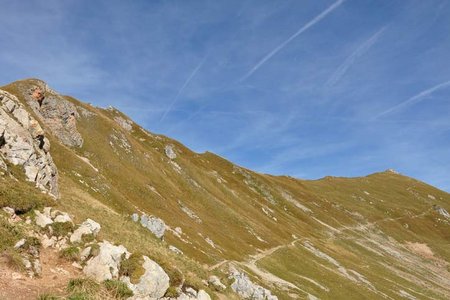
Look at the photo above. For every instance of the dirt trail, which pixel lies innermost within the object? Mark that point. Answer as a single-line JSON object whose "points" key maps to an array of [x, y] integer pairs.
{"points": [[56, 273]]}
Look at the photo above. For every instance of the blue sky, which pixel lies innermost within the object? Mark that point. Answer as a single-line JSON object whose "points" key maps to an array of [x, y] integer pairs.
{"points": [[304, 88]]}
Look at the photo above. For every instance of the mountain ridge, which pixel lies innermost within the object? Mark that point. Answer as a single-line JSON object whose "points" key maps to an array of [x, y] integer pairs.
{"points": [[221, 215]]}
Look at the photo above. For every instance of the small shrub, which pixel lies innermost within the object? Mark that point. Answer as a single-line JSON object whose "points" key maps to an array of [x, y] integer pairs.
{"points": [[14, 260], [47, 297], [82, 286], [171, 292], [79, 296], [87, 238], [71, 253], [62, 229], [132, 267], [117, 289]]}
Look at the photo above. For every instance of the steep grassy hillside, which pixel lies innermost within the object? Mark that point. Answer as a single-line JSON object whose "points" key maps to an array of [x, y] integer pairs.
{"points": [[334, 238]]}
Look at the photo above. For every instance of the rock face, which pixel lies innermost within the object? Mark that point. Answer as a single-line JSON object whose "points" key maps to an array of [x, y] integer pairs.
{"points": [[87, 227], [106, 264], [125, 124], [245, 288], [154, 224], [22, 142], [57, 113], [153, 284]]}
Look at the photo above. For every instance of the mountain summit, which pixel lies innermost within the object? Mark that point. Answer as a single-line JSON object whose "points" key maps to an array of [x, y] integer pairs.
{"points": [[94, 202]]}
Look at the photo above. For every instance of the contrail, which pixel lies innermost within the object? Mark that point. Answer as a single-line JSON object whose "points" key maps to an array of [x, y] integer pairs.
{"points": [[415, 99], [186, 83], [343, 68], [300, 31]]}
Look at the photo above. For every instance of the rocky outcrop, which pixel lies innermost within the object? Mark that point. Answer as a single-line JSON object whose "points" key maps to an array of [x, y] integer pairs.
{"points": [[152, 284], [106, 264], [245, 288], [23, 143], [57, 113], [124, 123]]}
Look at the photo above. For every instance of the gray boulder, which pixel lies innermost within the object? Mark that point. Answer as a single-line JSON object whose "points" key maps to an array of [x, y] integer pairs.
{"points": [[87, 227], [106, 264], [153, 284], [154, 224]]}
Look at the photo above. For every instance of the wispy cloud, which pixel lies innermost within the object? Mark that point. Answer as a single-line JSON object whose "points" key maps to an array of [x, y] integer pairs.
{"points": [[292, 37], [415, 99], [186, 83], [361, 50]]}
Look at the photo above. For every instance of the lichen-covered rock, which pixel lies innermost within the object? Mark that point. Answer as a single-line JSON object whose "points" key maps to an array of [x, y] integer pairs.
{"points": [[154, 224], [245, 288], [87, 227], [22, 142], [152, 284], [106, 264], [52, 109]]}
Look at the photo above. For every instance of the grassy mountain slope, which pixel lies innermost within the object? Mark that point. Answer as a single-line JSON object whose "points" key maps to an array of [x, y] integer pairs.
{"points": [[335, 238]]}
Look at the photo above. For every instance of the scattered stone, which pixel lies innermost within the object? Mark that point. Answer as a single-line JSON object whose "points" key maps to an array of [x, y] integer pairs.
{"points": [[84, 254], [37, 267], [10, 211], [106, 264], [77, 265], [175, 250], [152, 284], [245, 288], [16, 276], [87, 227], [135, 217], [19, 244], [215, 281], [63, 218], [170, 152], [47, 242], [202, 295]]}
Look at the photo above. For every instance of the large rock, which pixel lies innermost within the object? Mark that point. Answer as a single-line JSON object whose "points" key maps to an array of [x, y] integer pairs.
{"points": [[246, 289], [153, 284], [106, 264], [22, 142], [154, 224], [87, 227], [41, 219], [52, 109]]}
